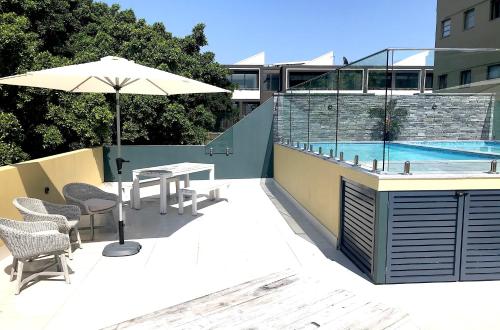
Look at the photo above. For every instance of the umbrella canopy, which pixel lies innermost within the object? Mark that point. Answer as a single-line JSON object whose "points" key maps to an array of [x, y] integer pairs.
{"points": [[120, 76], [108, 74]]}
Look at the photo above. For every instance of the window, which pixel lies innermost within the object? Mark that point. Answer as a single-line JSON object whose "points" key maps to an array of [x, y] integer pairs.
{"points": [[299, 77], [245, 79], [495, 9], [272, 82], [406, 80], [379, 80], [465, 77], [445, 28], [469, 19], [443, 81], [429, 79], [493, 71], [351, 80]]}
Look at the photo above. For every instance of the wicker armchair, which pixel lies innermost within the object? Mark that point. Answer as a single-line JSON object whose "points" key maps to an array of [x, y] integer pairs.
{"points": [[31, 240], [90, 199], [66, 217]]}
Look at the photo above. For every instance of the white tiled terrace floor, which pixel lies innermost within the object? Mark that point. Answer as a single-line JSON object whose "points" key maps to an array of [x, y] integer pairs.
{"points": [[257, 232]]}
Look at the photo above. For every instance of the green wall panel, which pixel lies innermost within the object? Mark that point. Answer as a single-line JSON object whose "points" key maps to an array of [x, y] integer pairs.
{"points": [[251, 151]]}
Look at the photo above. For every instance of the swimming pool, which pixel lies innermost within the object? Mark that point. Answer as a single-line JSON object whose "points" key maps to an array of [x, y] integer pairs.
{"points": [[491, 147], [415, 151]]}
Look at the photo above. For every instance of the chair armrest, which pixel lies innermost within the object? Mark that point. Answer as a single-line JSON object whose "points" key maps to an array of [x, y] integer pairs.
{"points": [[27, 245], [33, 227], [106, 195], [60, 220]]}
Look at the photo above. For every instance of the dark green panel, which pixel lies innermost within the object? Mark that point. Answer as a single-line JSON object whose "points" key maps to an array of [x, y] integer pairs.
{"points": [[251, 157], [380, 252]]}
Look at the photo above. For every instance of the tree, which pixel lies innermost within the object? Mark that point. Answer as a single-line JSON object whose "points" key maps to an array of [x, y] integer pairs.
{"points": [[388, 121], [38, 34]]}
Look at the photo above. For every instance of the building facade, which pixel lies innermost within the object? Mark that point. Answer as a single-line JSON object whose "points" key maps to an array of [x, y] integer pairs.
{"points": [[467, 24], [257, 81]]}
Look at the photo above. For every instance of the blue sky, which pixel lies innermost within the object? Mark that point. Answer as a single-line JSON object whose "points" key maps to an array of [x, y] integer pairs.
{"points": [[290, 30]]}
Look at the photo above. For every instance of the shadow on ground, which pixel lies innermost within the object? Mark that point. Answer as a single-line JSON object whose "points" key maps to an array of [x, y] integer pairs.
{"points": [[301, 222]]}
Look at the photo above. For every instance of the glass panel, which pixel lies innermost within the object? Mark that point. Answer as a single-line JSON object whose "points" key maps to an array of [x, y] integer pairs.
{"points": [[469, 19], [452, 129], [223, 144], [351, 80], [446, 28], [299, 77], [245, 79], [465, 77], [379, 79], [238, 79], [494, 71], [495, 9], [407, 80]]}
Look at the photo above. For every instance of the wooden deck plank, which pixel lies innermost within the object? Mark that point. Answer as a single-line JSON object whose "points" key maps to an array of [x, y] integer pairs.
{"points": [[192, 309], [278, 301]]}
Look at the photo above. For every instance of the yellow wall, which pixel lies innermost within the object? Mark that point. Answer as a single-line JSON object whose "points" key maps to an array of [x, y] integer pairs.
{"points": [[315, 182], [30, 178]]}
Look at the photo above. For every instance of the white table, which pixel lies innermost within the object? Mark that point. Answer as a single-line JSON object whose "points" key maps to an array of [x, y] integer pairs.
{"points": [[164, 173]]}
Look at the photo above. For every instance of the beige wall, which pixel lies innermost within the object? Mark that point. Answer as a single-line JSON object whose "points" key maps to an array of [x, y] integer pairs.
{"points": [[30, 178], [315, 182]]}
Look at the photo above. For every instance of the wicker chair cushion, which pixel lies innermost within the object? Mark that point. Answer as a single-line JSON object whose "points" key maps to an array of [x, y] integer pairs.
{"points": [[98, 205]]}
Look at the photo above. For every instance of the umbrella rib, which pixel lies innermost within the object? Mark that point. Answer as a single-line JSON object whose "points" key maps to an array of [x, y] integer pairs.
{"points": [[83, 82], [104, 81], [152, 83], [126, 83]]}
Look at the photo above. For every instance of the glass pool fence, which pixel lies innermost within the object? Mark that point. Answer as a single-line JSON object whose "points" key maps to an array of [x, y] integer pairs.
{"points": [[400, 111]]}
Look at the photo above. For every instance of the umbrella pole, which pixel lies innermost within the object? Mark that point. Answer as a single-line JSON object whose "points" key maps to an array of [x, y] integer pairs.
{"points": [[121, 248]]}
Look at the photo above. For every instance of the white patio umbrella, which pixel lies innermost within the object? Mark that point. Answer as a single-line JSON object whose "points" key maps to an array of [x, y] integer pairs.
{"points": [[120, 76]]}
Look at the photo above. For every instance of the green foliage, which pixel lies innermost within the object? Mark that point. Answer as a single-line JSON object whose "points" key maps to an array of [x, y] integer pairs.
{"points": [[39, 34], [389, 120], [11, 136]]}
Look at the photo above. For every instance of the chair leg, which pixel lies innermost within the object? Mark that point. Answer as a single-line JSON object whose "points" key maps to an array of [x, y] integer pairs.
{"points": [[177, 187], [13, 270], [70, 252], [20, 265], [64, 267], [194, 203], [78, 238], [217, 193], [91, 227], [180, 197]]}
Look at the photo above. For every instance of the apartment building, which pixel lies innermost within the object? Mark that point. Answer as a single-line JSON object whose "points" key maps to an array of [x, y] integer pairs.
{"points": [[258, 81], [467, 24]]}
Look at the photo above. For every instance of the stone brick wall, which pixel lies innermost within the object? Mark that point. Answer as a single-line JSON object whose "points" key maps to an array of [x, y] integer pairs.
{"points": [[425, 116]]}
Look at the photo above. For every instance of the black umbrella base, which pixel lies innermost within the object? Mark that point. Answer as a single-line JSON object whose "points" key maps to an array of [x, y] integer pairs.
{"points": [[128, 248]]}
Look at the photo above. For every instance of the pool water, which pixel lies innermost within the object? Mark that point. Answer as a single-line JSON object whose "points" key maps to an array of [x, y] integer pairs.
{"points": [[474, 146], [367, 151]]}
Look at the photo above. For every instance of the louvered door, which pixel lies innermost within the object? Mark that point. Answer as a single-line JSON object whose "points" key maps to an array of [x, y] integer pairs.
{"points": [[423, 236], [481, 236], [358, 221]]}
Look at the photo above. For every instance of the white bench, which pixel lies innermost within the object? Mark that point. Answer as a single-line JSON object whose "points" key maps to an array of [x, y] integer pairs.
{"points": [[209, 187], [135, 191]]}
